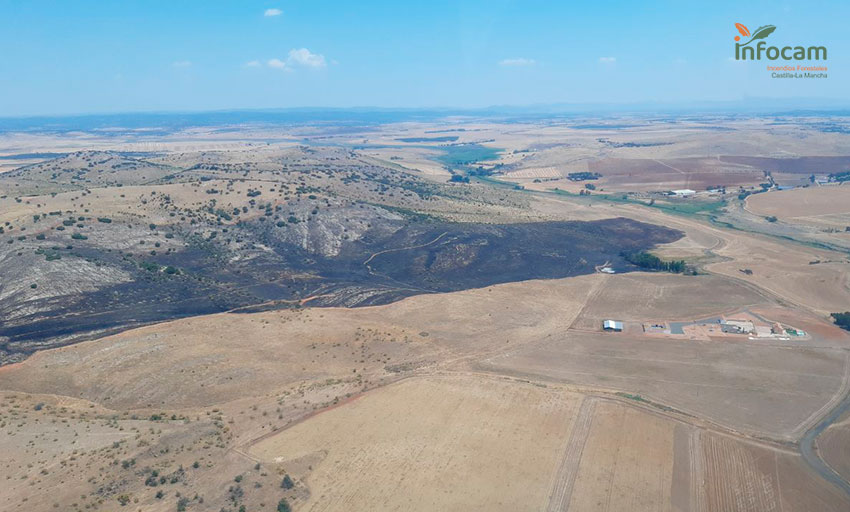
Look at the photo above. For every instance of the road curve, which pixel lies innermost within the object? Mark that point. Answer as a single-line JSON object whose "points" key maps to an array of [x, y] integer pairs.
{"points": [[811, 455]]}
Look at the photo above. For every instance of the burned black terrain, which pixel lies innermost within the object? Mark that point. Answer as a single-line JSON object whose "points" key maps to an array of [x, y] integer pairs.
{"points": [[256, 265], [96, 242]]}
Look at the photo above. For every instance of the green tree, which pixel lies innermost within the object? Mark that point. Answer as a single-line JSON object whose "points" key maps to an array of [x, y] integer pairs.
{"points": [[287, 482]]}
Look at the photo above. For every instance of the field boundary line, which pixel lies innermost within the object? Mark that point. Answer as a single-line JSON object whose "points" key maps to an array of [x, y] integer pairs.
{"points": [[595, 289], [565, 476], [697, 502]]}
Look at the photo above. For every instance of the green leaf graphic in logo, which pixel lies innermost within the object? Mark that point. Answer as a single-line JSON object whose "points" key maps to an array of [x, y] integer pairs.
{"points": [[761, 33]]}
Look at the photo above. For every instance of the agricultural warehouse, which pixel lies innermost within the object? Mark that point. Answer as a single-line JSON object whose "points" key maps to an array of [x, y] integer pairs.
{"points": [[612, 325]]}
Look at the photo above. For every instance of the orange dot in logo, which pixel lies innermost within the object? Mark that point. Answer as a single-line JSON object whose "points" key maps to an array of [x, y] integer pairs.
{"points": [[737, 38]]}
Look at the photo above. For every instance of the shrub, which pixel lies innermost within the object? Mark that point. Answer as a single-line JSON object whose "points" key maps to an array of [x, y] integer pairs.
{"points": [[287, 482], [283, 506]]}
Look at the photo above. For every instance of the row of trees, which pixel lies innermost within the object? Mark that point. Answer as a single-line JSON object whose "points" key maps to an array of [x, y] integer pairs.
{"points": [[649, 261], [842, 320]]}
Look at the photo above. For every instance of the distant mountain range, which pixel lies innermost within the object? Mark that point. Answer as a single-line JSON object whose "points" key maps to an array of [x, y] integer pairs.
{"points": [[170, 121]]}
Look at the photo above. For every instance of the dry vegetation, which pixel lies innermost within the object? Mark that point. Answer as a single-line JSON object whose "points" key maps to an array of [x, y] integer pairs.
{"points": [[219, 363]]}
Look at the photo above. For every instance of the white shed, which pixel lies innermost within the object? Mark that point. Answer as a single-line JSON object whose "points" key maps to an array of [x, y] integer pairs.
{"points": [[612, 325]]}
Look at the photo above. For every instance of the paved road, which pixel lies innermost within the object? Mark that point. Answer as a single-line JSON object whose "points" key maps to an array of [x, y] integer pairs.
{"points": [[807, 445]]}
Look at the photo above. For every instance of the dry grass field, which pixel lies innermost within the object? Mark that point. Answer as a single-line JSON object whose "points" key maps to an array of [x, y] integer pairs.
{"points": [[626, 461], [782, 270], [821, 207], [437, 443], [444, 442], [219, 357], [741, 476], [635, 460], [493, 397]]}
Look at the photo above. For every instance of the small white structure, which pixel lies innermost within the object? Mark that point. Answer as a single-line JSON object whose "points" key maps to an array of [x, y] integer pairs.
{"points": [[607, 270], [612, 325], [685, 192]]}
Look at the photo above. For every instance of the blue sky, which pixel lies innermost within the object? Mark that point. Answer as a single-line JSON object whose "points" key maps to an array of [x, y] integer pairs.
{"points": [[117, 56]]}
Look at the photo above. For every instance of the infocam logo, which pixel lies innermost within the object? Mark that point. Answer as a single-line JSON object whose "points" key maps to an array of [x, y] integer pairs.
{"points": [[749, 51]]}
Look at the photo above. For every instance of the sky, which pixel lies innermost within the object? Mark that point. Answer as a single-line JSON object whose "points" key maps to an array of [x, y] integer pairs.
{"points": [[74, 56]]}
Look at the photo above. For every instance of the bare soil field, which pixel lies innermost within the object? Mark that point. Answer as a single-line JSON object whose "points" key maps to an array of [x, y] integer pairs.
{"points": [[805, 165], [673, 174], [763, 390], [643, 296], [441, 443]]}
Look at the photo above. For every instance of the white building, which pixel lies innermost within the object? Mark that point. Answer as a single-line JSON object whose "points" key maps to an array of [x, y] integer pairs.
{"points": [[612, 325], [685, 192]]}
